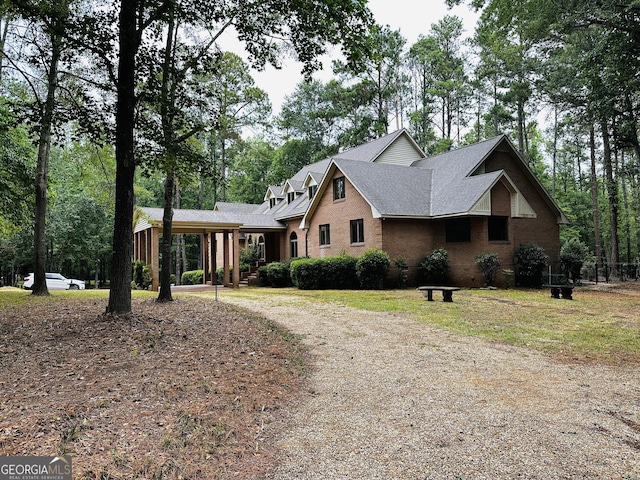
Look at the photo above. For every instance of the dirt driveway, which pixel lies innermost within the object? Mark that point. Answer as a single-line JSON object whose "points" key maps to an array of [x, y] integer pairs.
{"points": [[393, 399]]}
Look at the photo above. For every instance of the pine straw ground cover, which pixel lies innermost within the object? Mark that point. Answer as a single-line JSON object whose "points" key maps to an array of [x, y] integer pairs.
{"points": [[185, 389]]}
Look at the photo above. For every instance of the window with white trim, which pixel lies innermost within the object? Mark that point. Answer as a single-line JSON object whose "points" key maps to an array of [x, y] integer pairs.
{"points": [[338, 188], [293, 244]]}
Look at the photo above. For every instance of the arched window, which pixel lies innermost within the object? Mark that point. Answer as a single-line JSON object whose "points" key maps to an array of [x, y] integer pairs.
{"points": [[293, 244]]}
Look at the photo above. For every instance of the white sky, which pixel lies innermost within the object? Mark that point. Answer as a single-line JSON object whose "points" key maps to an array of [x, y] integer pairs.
{"points": [[412, 17]]}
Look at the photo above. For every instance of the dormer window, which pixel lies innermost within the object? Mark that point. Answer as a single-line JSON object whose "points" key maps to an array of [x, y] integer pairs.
{"points": [[272, 202], [313, 189], [291, 196]]}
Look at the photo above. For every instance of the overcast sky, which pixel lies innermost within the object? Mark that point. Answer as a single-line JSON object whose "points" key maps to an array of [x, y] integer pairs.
{"points": [[412, 17]]}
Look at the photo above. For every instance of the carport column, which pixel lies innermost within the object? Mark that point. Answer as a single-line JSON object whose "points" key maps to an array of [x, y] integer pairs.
{"points": [[204, 250], [155, 259], [212, 258], [236, 258], [225, 257]]}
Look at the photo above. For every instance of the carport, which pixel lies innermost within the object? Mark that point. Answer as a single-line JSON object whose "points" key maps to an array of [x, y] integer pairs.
{"points": [[207, 224]]}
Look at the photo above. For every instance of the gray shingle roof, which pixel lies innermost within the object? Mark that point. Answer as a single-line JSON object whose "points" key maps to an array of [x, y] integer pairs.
{"points": [[438, 186], [371, 150], [237, 207], [462, 161], [391, 190], [244, 220]]}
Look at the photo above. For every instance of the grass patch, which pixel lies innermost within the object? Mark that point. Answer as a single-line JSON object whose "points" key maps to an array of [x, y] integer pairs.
{"points": [[16, 297], [597, 326]]}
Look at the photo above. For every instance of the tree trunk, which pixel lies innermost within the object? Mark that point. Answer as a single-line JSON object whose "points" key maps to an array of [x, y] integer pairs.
{"points": [[3, 40], [594, 199], [627, 209], [42, 172], [612, 194], [121, 274], [170, 181], [223, 171], [165, 250], [521, 133], [554, 156], [179, 241]]}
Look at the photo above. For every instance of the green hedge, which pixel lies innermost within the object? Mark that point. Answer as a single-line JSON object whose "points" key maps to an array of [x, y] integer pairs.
{"points": [[322, 273], [192, 277], [278, 274]]}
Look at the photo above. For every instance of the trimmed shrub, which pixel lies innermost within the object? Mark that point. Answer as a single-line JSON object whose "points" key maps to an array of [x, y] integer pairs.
{"points": [[530, 261], [263, 275], [489, 266], [434, 267], [278, 274], [306, 273], [319, 273], [371, 268], [573, 255], [192, 277], [341, 272]]}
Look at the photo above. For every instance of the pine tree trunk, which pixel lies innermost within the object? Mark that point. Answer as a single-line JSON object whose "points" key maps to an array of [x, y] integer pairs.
{"points": [[42, 172], [121, 273], [165, 250], [594, 199], [181, 264], [612, 194]]}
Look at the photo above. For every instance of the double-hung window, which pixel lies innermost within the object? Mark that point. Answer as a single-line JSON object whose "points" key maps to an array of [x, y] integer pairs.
{"points": [[325, 235], [357, 231], [338, 188]]}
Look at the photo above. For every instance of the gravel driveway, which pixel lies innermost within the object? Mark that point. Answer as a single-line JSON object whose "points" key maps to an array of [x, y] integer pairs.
{"points": [[390, 398]]}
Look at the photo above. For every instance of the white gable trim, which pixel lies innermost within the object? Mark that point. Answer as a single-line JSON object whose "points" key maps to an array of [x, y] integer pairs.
{"points": [[402, 151], [520, 208], [482, 206]]}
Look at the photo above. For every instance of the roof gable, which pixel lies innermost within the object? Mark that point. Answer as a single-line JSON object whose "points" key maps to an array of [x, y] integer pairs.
{"points": [[397, 148]]}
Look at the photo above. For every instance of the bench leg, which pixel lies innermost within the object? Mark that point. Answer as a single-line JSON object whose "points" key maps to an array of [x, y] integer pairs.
{"points": [[447, 296], [567, 294], [555, 292], [430, 295]]}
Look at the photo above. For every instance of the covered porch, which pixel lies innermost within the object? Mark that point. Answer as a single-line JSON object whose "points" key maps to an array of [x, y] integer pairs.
{"points": [[212, 226]]}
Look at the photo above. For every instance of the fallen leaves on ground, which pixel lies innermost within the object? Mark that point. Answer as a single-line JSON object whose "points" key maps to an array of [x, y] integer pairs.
{"points": [[185, 389]]}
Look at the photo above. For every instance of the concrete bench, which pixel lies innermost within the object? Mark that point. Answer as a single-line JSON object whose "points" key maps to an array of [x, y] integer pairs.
{"points": [[564, 291], [447, 292]]}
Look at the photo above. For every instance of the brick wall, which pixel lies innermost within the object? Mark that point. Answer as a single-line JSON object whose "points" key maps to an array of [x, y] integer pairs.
{"points": [[543, 230], [338, 214], [411, 239]]}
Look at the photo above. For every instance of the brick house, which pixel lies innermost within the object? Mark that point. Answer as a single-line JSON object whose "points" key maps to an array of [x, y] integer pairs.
{"points": [[387, 195]]}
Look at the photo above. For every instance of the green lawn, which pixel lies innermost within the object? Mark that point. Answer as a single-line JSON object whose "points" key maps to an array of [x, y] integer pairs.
{"points": [[594, 327], [10, 297]]}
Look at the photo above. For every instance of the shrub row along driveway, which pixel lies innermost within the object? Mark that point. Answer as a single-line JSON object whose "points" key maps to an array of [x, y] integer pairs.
{"points": [[391, 398]]}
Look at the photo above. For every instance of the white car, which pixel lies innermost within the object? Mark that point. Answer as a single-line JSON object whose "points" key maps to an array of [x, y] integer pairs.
{"points": [[55, 281]]}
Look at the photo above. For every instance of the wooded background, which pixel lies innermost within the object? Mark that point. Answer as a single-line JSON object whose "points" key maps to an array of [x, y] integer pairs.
{"points": [[560, 78]]}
